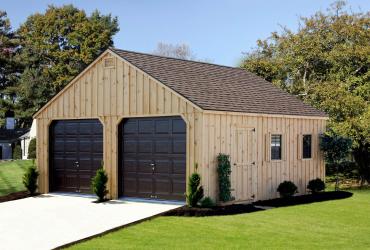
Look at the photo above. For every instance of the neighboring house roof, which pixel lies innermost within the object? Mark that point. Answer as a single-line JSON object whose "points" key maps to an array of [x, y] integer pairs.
{"points": [[216, 87], [12, 134]]}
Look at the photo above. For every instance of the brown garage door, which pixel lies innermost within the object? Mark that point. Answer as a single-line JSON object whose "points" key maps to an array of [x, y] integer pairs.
{"points": [[153, 158], [76, 152]]}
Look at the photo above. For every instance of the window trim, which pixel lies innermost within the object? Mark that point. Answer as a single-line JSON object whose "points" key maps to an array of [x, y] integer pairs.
{"points": [[281, 146], [302, 150]]}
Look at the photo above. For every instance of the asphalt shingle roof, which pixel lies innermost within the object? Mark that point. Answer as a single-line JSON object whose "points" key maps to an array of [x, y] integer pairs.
{"points": [[216, 87]]}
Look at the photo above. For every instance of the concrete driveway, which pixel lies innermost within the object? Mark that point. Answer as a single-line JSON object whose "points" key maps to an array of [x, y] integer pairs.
{"points": [[49, 221]]}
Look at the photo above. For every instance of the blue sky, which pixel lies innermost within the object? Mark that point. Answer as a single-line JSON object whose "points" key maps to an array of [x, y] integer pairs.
{"points": [[216, 30]]}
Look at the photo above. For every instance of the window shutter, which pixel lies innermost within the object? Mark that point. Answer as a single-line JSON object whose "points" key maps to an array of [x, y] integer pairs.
{"points": [[268, 147], [299, 146], [283, 146]]}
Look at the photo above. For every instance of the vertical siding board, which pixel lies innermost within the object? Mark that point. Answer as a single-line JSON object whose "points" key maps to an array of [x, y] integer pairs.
{"points": [[133, 91], [146, 95], [126, 90], [113, 95], [153, 97], [119, 77], [140, 96]]}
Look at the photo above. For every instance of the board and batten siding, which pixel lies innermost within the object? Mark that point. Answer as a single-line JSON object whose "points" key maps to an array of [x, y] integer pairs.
{"points": [[246, 138], [112, 93]]}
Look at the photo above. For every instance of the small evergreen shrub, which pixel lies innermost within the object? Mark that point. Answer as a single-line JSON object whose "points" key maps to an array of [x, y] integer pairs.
{"points": [[224, 172], [17, 152], [30, 179], [316, 185], [195, 190], [287, 189], [99, 184], [32, 149], [207, 202]]}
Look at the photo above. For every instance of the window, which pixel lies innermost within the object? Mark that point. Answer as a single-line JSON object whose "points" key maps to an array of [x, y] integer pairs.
{"points": [[307, 146], [275, 147]]}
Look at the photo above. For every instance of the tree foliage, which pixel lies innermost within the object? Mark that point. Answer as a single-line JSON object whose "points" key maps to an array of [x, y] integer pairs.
{"points": [[9, 66], [224, 182], [99, 184], [195, 190], [326, 63], [30, 179], [32, 149], [54, 47]]}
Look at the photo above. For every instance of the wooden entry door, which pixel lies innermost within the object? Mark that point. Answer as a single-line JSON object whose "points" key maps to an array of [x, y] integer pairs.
{"points": [[243, 163], [153, 158]]}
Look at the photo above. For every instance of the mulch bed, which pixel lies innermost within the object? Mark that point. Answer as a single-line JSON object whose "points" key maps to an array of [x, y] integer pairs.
{"points": [[304, 199], [257, 206], [14, 196], [218, 210]]}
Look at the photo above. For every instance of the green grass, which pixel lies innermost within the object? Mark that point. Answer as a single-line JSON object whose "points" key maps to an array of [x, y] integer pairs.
{"points": [[11, 174], [339, 224]]}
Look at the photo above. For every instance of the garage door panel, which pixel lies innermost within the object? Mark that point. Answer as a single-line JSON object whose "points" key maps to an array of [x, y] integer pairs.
{"points": [[162, 146], [130, 146], [178, 126], [179, 146], [178, 166], [70, 145], [162, 126], [143, 166], [145, 184], [85, 145], [145, 146], [161, 141], [75, 155], [145, 126], [163, 186], [163, 166]]}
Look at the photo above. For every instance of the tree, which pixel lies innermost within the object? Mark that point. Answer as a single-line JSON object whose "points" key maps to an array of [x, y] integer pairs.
{"points": [[55, 47], [99, 184], [32, 149], [180, 51], [30, 179], [326, 63], [17, 152], [336, 149], [9, 67]]}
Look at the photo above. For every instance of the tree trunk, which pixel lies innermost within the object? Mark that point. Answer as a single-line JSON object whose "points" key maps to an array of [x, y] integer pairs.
{"points": [[361, 155]]}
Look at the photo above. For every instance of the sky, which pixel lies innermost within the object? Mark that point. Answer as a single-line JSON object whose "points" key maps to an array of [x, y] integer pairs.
{"points": [[218, 31]]}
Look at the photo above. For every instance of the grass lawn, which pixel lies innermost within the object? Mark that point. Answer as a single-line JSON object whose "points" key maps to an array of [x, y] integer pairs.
{"points": [[340, 224], [11, 174]]}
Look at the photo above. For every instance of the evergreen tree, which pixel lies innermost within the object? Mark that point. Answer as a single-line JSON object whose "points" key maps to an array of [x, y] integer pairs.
{"points": [[9, 67]]}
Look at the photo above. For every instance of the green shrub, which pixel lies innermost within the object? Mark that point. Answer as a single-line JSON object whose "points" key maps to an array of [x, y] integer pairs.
{"points": [[316, 185], [30, 179], [224, 172], [99, 184], [32, 149], [287, 189], [207, 202], [195, 190], [17, 152]]}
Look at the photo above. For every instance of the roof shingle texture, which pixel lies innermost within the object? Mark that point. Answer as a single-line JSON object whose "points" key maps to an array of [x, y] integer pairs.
{"points": [[216, 87]]}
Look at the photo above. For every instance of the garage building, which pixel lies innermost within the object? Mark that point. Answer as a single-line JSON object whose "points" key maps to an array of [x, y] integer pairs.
{"points": [[155, 120]]}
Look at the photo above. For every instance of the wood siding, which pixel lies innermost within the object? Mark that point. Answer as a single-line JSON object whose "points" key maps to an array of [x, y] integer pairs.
{"points": [[122, 91], [254, 175], [112, 94]]}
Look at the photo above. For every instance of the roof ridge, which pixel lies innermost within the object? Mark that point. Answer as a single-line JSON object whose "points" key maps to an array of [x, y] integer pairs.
{"points": [[174, 58]]}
